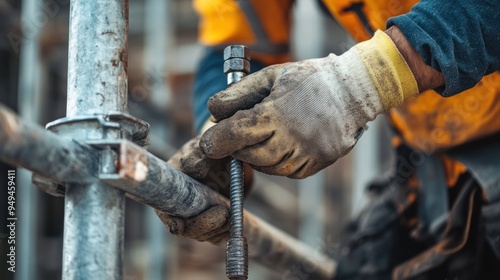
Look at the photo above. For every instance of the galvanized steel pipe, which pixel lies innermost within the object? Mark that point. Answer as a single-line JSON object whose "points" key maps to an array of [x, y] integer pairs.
{"points": [[97, 85]]}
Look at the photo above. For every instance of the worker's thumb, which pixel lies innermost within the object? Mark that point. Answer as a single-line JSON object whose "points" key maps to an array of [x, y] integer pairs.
{"points": [[244, 94], [236, 133]]}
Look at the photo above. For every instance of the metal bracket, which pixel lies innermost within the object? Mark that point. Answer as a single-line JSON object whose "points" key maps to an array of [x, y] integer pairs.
{"points": [[103, 135], [126, 127], [132, 166]]}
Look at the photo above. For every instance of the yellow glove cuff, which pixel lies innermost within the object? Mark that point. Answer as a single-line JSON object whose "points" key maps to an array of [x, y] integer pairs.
{"points": [[388, 70]]}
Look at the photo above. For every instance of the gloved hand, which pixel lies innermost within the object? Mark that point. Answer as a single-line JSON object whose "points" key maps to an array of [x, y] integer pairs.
{"points": [[213, 224], [211, 172], [295, 119]]}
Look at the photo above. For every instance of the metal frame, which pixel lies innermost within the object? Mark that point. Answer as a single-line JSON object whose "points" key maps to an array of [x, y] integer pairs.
{"points": [[29, 100], [93, 158], [97, 85]]}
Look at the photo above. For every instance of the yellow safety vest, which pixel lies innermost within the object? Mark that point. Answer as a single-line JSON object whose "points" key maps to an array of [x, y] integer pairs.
{"points": [[262, 25]]}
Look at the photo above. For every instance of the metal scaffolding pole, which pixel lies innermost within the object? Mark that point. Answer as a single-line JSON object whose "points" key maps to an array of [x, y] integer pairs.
{"points": [[158, 34], [151, 181], [97, 85], [29, 108], [366, 165]]}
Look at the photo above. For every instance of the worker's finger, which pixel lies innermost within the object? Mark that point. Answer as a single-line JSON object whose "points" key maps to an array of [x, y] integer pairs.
{"points": [[209, 223], [205, 225], [191, 160], [244, 129], [292, 165], [244, 94], [307, 169], [288, 166], [266, 153], [175, 225]]}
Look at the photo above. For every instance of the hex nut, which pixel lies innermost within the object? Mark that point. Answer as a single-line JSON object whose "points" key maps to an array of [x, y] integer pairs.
{"points": [[236, 65], [236, 51]]}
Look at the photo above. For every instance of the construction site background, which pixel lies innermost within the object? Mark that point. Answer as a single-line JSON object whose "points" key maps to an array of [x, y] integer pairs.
{"points": [[163, 54]]}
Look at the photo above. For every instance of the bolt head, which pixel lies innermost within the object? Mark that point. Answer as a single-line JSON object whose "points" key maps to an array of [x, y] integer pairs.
{"points": [[236, 51]]}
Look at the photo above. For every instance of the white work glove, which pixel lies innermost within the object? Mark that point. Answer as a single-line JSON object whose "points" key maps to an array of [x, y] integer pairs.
{"points": [[295, 119]]}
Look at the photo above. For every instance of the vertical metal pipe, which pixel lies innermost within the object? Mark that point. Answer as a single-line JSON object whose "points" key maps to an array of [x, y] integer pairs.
{"points": [[312, 209], [97, 84], [366, 165], [157, 43], [158, 35], [29, 109], [161, 249], [307, 17], [97, 57]]}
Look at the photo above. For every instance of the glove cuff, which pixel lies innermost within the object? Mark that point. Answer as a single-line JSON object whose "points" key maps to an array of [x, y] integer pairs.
{"points": [[391, 75]]}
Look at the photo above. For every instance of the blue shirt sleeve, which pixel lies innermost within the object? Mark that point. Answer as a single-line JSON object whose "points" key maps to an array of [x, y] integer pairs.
{"points": [[459, 38]]}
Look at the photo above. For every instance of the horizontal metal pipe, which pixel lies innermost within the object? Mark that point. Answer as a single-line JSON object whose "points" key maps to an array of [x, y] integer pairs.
{"points": [[32, 147], [151, 181]]}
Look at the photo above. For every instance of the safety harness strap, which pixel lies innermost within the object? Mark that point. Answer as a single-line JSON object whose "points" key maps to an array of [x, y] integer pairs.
{"points": [[263, 43]]}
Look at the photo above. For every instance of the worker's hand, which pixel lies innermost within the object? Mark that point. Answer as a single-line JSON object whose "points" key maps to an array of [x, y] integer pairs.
{"points": [[295, 119], [211, 172], [213, 224]]}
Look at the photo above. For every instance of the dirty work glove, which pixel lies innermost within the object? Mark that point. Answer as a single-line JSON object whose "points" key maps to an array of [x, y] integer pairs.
{"points": [[213, 224], [295, 119], [211, 172]]}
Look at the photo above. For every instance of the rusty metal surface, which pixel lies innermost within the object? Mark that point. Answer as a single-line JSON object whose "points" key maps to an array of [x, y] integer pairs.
{"points": [[32, 147], [97, 85], [97, 57], [281, 252], [149, 180]]}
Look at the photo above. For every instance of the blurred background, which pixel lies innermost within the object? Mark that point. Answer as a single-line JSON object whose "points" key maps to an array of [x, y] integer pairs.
{"points": [[163, 56]]}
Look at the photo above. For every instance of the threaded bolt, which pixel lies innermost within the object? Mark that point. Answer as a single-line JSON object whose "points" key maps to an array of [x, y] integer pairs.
{"points": [[236, 66]]}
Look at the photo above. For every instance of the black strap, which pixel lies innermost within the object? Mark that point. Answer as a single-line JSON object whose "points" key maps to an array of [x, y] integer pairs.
{"points": [[263, 43]]}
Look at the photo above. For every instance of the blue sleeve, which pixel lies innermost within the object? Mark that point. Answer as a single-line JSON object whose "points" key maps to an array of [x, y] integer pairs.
{"points": [[210, 79], [459, 38]]}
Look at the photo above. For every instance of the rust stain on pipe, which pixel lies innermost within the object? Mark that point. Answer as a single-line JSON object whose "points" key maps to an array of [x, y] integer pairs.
{"points": [[132, 166]]}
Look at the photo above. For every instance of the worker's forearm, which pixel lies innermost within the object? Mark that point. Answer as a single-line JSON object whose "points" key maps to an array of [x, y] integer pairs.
{"points": [[458, 38], [426, 76]]}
